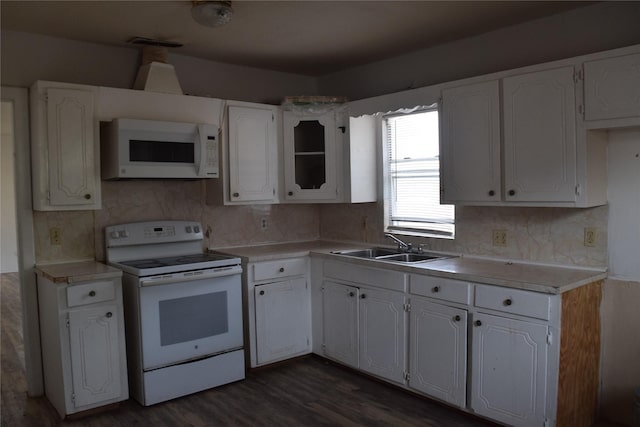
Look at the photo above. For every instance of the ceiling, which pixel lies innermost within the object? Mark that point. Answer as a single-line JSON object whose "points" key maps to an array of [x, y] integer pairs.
{"points": [[303, 37]]}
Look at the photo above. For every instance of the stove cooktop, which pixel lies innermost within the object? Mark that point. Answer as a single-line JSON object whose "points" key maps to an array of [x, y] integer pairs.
{"points": [[177, 263]]}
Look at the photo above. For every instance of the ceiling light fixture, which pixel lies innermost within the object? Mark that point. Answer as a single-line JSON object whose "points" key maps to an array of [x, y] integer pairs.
{"points": [[212, 13]]}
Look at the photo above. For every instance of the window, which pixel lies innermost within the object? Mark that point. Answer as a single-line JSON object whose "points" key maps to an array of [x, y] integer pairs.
{"points": [[412, 188]]}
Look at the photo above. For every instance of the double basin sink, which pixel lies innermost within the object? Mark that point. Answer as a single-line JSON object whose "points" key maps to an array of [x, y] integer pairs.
{"points": [[385, 254]]}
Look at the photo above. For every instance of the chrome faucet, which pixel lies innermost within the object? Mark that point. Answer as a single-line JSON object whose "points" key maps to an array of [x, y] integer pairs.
{"points": [[402, 246]]}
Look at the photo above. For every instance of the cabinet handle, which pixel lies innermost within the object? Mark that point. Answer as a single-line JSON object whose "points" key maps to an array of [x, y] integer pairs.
{"points": [[351, 294], [436, 289], [342, 128], [92, 293], [512, 192], [290, 193], [363, 296], [261, 292], [236, 194], [109, 314], [478, 323], [281, 270], [508, 301], [87, 196], [492, 193], [457, 318]]}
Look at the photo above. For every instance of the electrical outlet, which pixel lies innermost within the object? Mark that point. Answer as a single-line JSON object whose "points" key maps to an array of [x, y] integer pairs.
{"points": [[589, 237], [264, 224], [55, 236], [499, 237]]}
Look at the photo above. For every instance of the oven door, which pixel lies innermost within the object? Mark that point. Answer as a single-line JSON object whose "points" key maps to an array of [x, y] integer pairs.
{"points": [[190, 319]]}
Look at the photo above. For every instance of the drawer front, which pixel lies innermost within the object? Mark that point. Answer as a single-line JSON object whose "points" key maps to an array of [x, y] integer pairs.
{"points": [[440, 288], [524, 303], [276, 269], [91, 293], [386, 279]]}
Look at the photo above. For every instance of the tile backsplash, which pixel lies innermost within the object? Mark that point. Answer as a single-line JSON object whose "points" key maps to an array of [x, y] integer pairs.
{"points": [[548, 235]]}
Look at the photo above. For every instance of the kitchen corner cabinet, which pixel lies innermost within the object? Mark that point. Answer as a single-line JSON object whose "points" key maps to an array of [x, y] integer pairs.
{"points": [[65, 147], [612, 88], [250, 155], [545, 162], [82, 333], [279, 310], [312, 166]]}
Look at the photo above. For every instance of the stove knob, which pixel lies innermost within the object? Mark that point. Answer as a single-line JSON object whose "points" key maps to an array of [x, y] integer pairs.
{"points": [[123, 233], [114, 234], [196, 229], [188, 229]]}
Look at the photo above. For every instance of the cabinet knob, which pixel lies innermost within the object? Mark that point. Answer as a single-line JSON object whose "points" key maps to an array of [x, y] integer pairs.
{"points": [[457, 318], [261, 292], [508, 301], [478, 323], [87, 196], [109, 314], [492, 193], [363, 296], [351, 294], [436, 289], [236, 194], [342, 128], [290, 193], [92, 293], [512, 192], [281, 270]]}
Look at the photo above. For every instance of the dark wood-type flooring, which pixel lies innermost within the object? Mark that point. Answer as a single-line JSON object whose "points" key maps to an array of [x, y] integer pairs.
{"points": [[305, 392]]}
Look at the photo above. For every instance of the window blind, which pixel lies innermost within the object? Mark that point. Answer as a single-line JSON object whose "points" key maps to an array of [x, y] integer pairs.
{"points": [[412, 147]]}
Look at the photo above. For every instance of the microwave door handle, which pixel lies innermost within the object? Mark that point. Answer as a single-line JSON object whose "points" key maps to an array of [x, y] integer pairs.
{"points": [[202, 135]]}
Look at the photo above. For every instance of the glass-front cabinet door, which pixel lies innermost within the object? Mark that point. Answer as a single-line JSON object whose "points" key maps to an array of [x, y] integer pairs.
{"points": [[310, 156]]}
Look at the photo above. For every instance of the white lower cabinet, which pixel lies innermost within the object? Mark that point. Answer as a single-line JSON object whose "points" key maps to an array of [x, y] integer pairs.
{"points": [[82, 333], [438, 351], [340, 322], [509, 370], [278, 310], [282, 320]]}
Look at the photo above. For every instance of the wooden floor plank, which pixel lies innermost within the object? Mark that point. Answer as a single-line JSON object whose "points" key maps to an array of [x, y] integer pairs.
{"points": [[306, 392]]}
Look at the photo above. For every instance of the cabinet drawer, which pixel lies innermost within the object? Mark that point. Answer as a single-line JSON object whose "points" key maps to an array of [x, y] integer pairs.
{"points": [[440, 288], [91, 293], [387, 279], [524, 303], [280, 268]]}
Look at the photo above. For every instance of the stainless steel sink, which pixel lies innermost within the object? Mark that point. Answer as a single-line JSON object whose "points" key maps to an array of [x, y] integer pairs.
{"points": [[369, 253], [391, 255]]}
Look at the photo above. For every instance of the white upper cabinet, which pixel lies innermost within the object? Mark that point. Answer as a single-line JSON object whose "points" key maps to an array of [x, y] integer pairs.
{"points": [[65, 147], [612, 88], [540, 136], [252, 153], [311, 163], [470, 143]]}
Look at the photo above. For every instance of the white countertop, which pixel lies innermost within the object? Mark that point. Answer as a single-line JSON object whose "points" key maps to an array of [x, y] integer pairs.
{"points": [[72, 272], [514, 274]]}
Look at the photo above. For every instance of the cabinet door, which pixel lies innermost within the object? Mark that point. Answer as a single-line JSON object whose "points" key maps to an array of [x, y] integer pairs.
{"points": [[383, 333], [252, 154], [438, 351], [73, 167], [310, 156], [612, 88], [340, 322], [509, 368], [95, 357], [283, 321], [470, 143], [540, 137]]}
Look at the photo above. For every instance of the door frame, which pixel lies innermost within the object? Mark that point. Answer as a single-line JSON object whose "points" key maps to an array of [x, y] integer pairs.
{"points": [[19, 97]]}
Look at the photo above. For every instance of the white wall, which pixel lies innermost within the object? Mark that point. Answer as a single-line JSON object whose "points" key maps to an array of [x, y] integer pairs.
{"points": [[603, 26], [8, 235], [29, 57]]}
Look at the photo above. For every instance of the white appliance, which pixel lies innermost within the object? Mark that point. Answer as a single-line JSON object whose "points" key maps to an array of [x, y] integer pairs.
{"points": [[183, 309], [132, 148]]}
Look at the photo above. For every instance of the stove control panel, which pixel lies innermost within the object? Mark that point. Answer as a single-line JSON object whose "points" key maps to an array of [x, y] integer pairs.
{"points": [[141, 233]]}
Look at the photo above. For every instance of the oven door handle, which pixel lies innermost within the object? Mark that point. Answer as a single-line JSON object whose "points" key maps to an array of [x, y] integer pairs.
{"points": [[189, 276]]}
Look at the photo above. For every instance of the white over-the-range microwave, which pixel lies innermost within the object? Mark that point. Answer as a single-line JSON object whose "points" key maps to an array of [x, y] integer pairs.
{"points": [[132, 148]]}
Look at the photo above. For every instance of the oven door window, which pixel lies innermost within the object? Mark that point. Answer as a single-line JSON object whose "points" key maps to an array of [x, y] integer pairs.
{"points": [[189, 320]]}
